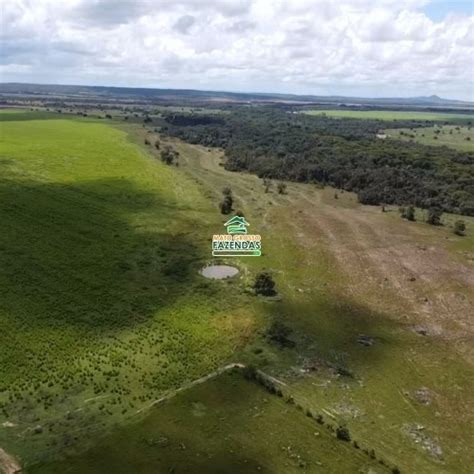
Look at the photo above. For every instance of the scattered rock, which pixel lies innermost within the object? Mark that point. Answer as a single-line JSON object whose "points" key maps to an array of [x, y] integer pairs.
{"points": [[423, 395], [38, 429], [421, 330], [418, 434], [365, 340]]}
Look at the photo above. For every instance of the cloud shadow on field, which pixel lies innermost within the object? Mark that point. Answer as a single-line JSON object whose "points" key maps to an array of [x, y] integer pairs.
{"points": [[83, 255], [335, 329]]}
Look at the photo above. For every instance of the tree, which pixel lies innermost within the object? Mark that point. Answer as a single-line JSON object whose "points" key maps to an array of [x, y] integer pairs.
{"points": [[434, 216], [281, 188], [459, 227], [264, 284]]}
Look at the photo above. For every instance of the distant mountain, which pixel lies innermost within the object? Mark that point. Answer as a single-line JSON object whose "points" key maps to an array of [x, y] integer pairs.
{"points": [[89, 93]]}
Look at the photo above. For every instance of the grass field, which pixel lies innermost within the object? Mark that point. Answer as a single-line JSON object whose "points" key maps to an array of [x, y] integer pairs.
{"points": [[393, 115], [458, 137], [100, 292], [218, 427], [105, 312]]}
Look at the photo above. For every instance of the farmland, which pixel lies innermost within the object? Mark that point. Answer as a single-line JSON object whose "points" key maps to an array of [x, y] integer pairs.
{"points": [[457, 137], [104, 312], [393, 115]]}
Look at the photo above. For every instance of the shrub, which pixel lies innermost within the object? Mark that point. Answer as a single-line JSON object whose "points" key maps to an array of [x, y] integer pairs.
{"points": [[226, 205], [409, 213], [434, 216], [459, 227], [281, 187], [227, 202], [267, 183], [264, 284], [342, 433]]}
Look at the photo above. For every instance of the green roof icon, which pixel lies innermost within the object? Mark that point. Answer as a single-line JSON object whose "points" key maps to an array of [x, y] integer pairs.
{"points": [[237, 225]]}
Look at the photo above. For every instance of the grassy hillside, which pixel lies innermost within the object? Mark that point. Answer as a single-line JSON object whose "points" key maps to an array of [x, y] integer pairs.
{"points": [[100, 295], [226, 425], [457, 137], [393, 115]]}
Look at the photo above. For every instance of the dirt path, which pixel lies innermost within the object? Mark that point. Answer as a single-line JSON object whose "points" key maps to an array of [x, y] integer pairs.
{"points": [[8, 464]]}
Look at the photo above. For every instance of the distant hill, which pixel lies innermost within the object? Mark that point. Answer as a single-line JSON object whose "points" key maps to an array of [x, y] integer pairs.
{"points": [[9, 90]]}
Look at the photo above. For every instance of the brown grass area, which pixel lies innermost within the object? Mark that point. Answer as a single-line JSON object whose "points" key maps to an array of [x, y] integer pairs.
{"points": [[402, 269]]}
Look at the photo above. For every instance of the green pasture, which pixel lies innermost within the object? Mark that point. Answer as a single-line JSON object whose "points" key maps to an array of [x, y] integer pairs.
{"points": [[458, 137], [391, 115], [100, 293]]}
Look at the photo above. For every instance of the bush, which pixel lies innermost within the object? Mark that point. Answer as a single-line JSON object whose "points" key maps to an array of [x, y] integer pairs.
{"points": [[459, 227], [226, 205], [342, 433], [281, 187], [264, 284], [408, 213], [227, 202], [434, 216]]}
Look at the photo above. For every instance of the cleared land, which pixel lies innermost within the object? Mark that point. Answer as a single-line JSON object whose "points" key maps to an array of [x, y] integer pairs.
{"points": [[379, 308], [457, 137], [393, 115]]}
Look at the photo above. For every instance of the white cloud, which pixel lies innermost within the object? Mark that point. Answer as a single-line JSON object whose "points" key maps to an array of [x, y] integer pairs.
{"points": [[351, 47]]}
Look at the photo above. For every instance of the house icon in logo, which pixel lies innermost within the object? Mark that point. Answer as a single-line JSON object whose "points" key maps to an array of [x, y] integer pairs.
{"points": [[237, 225]]}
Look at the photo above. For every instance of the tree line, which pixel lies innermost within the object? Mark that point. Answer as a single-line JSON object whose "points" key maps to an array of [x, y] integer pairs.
{"points": [[343, 153]]}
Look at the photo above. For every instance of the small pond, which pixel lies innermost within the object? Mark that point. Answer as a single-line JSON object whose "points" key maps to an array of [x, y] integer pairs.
{"points": [[219, 272]]}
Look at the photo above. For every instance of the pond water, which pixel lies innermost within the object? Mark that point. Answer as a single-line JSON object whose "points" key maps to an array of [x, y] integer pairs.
{"points": [[219, 272]]}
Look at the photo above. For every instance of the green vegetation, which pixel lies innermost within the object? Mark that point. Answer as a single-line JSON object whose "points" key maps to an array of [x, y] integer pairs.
{"points": [[227, 201], [341, 153], [391, 115], [459, 227], [264, 284], [100, 296], [457, 137], [226, 425]]}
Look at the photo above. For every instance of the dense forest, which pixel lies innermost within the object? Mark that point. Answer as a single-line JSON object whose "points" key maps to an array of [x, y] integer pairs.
{"points": [[343, 153]]}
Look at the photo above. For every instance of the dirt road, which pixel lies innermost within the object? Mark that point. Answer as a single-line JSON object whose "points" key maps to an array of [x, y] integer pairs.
{"points": [[8, 464]]}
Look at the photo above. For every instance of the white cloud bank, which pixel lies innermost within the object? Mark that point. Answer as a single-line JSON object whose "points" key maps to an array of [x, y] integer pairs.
{"points": [[348, 47]]}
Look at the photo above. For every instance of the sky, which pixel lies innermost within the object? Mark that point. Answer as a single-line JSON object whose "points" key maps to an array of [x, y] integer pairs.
{"points": [[364, 48]]}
